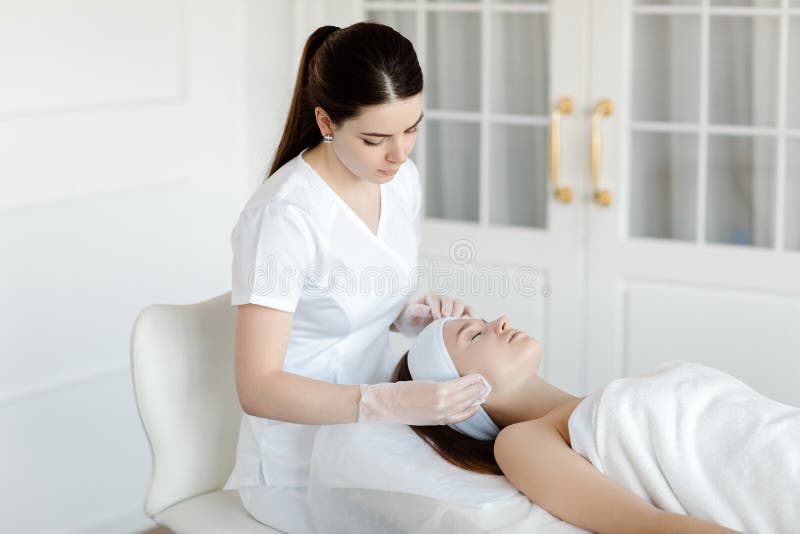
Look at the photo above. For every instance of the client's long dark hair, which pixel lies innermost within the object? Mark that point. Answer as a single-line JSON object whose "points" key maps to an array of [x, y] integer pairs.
{"points": [[465, 452]]}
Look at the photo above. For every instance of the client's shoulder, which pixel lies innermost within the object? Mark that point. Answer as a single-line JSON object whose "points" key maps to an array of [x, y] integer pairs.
{"points": [[514, 440], [524, 450], [553, 425]]}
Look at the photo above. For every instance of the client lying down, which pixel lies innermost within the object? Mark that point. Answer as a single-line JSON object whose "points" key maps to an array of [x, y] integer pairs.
{"points": [[686, 448]]}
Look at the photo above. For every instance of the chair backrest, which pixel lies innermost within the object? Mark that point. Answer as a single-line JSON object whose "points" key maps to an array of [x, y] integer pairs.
{"points": [[183, 379]]}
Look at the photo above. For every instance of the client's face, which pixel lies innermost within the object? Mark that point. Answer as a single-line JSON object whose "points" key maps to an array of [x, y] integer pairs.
{"points": [[503, 355]]}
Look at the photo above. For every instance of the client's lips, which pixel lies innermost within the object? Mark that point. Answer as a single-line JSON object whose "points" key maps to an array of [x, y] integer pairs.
{"points": [[515, 335]]}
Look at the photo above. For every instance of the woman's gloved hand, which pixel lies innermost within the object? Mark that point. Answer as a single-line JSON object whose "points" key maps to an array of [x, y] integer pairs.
{"points": [[422, 402], [421, 311]]}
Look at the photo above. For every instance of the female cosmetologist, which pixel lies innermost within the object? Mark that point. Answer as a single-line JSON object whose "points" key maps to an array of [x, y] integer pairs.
{"points": [[312, 326]]}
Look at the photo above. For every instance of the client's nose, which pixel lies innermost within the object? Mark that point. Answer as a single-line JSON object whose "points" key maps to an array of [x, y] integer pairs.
{"points": [[500, 324]]}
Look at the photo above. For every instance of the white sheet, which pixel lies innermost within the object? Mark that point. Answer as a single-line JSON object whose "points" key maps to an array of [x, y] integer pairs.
{"points": [[694, 440], [384, 478]]}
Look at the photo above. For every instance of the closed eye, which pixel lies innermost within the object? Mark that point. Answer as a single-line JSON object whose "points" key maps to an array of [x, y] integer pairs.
{"points": [[368, 143], [473, 337]]}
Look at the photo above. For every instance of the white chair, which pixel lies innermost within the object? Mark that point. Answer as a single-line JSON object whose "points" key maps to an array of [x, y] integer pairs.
{"points": [[183, 379]]}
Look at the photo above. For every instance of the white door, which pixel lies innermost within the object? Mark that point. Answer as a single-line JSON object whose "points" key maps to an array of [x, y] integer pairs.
{"points": [[494, 232], [697, 255]]}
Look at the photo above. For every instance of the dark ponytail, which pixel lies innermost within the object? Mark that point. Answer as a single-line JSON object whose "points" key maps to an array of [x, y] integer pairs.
{"points": [[343, 70]]}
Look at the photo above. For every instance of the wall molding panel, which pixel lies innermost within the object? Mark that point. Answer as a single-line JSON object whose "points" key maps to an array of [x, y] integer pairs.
{"points": [[748, 333], [89, 54]]}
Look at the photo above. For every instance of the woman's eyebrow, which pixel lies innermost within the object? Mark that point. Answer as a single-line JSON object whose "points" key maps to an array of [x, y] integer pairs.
{"points": [[458, 334], [373, 134]]}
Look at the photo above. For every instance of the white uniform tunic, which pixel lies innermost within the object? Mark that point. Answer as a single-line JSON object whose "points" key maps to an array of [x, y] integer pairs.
{"points": [[296, 230]]}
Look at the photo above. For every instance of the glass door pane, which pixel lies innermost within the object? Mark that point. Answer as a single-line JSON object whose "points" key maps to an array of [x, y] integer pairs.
{"points": [[792, 221], [452, 66], [706, 130], [519, 67], [669, 2], [746, 3], [404, 22], [666, 68], [741, 190], [793, 91], [452, 170], [519, 180], [663, 188], [743, 73]]}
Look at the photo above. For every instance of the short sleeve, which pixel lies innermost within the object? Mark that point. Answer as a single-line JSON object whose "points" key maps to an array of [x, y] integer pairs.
{"points": [[273, 246]]}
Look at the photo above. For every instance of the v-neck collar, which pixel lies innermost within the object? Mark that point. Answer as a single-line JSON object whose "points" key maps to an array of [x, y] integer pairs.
{"points": [[346, 207]]}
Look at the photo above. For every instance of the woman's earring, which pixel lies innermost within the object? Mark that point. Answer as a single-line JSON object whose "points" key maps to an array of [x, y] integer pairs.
{"points": [[327, 139]]}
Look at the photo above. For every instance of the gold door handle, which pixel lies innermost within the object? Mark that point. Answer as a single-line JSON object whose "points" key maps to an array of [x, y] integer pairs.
{"points": [[563, 106], [603, 108]]}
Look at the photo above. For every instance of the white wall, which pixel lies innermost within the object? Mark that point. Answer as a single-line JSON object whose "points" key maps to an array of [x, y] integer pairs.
{"points": [[130, 136]]}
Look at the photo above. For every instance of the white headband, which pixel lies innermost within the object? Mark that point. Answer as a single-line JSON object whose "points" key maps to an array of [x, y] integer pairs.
{"points": [[428, 359]]}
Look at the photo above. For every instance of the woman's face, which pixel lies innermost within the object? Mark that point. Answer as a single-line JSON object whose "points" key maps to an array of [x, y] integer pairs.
{"points": [[503, 355], [353, 140]]}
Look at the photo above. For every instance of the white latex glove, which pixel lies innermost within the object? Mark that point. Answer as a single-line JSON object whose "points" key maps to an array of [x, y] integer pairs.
{"points": [[421, 311], [422, 402]]}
